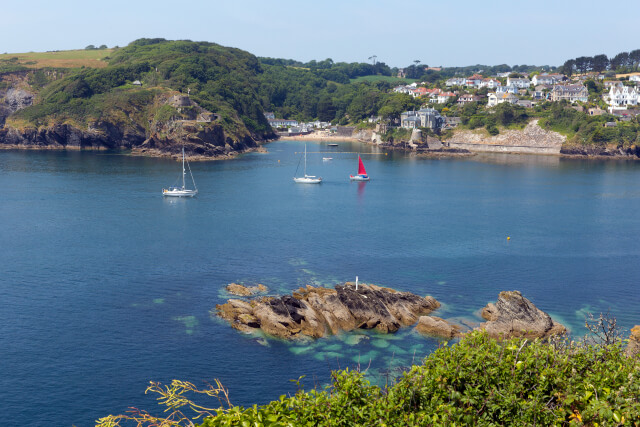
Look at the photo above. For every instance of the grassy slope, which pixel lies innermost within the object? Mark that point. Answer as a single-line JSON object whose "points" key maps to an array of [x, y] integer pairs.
{"points": [[61, 59]]}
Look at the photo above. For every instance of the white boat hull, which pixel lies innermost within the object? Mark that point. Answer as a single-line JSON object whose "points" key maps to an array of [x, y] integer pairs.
{"points": [[176, 192], [307, 180], [359, 178]]}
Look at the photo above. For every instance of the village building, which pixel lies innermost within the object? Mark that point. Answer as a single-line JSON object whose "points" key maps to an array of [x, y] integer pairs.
{"points": [[456, 81], [281, 123], [498, 98], [507, 89], [490, 83], [520, 83], [547, 79], [571, 93], [445, 97], [425, 118], [474, 81], [612, 83], [526, 103], [467, 98], [623, 96], [635, 78]]}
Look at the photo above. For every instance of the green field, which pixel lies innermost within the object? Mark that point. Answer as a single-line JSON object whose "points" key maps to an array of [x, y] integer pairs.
{"points": [[60, 59], [372, 79]]}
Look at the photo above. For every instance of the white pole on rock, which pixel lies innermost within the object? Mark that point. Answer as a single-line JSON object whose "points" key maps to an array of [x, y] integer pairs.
{"points": [[356, 283]]}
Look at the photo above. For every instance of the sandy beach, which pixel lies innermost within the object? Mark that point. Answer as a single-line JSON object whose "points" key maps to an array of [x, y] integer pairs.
{"points": [[320, 136]]}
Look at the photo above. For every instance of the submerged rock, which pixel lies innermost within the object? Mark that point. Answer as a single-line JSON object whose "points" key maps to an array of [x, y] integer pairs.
{"points": [[315, 312], [435, 326], [515, 316]]}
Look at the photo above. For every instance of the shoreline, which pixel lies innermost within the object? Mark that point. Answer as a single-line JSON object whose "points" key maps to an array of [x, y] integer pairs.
{"points": [[134, 152], [322, 137]]}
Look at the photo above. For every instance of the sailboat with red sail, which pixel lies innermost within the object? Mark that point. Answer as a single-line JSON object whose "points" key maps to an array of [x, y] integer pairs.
{"points": [[362, 172]]}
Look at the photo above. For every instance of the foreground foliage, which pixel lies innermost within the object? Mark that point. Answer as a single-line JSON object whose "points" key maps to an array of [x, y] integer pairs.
{"points": [[479, 381]]}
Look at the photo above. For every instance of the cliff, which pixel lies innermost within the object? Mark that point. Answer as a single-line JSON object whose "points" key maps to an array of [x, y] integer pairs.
{"points": [[532, 139]]}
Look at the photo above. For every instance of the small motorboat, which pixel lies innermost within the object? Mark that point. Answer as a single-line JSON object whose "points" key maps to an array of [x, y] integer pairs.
{"points": [[332, 145], [326, 159]]}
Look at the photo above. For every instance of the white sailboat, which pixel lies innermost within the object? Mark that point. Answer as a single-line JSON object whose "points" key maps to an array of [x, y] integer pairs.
{"points": [[182, 191], [306, 179]]}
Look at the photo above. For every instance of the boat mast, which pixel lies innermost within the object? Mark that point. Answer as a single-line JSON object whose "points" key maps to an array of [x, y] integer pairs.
{"points": [[305, 160], [184, 172]]}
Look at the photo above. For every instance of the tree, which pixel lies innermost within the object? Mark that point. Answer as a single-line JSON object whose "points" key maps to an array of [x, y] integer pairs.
{"points": [[634, 58], [90, 47], [620, 60], [103, 46], [583, 63], [600, 63], [568, 67]]}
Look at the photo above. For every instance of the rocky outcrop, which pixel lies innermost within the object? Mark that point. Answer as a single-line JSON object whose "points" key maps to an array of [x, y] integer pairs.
{"points": [[633, 347], [532, 139], [632, 152], [437, 327], [314, 312], [245, 291], [515, 316]]}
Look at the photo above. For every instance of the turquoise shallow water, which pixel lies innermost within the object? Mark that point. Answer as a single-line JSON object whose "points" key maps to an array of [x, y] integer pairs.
{"points": [[105, 285]]}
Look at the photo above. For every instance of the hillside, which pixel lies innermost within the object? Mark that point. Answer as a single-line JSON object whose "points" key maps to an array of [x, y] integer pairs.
{"points": [[202, 94]]}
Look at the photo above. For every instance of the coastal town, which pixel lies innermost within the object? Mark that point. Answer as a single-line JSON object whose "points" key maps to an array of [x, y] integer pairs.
{"points": [[594, 93]]}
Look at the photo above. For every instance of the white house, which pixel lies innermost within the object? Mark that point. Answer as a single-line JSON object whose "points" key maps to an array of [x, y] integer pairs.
{"points": [[498, 98], [278, 123], [634, 78], [520, 83], [507, 89], [456, 81], [474, 81], [445, 97], [623, 96], [490, 83]]}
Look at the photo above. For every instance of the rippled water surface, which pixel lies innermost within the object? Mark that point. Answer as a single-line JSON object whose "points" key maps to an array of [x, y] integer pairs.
{"points": [[105, 285]]}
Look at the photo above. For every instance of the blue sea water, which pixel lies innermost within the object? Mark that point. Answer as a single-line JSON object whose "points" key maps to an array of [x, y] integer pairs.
{"points": [[105, 285]]}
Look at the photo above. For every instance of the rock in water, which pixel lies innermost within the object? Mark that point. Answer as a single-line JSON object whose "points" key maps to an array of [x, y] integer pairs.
{"points": [[245, 291], [435, 326], [633, 348], [312, 312], [515, 316]]}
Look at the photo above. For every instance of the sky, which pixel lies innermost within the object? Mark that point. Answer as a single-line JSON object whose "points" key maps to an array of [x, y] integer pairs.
{"points": [[437, 33]]}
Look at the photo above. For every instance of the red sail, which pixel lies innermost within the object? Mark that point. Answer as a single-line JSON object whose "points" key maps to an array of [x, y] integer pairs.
{"points": [[361, 169]]}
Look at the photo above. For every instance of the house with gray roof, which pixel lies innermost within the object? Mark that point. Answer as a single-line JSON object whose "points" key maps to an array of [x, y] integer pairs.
{"points": [[571, 93]]}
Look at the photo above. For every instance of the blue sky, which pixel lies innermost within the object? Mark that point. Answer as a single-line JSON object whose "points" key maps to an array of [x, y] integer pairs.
{"points": [[448, 33]]}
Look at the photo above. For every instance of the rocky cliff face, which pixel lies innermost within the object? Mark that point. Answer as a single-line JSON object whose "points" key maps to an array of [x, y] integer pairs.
{"points": [[197, 129], [532, 139], [14, 95], [314, 312]]}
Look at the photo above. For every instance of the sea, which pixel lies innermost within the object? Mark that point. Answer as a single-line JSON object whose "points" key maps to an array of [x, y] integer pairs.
{"points": [[105, 285]]}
